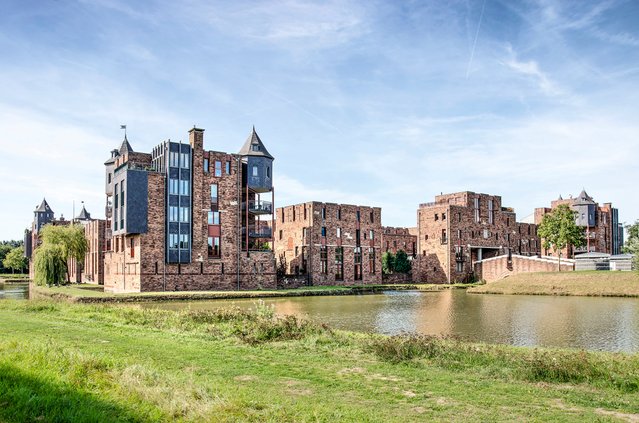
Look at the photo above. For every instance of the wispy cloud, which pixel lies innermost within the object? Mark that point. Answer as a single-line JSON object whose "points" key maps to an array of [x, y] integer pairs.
{"points": [[531, 69]]}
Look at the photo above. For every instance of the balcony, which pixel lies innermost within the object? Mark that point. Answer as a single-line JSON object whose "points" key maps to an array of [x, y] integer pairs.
{"points": [[258, 232], [259, 207]]}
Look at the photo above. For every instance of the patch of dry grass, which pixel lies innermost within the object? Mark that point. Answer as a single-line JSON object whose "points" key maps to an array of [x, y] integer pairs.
{"points": [[592, 283]]}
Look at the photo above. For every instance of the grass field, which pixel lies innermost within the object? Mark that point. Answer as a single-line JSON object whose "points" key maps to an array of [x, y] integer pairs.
{"points": [[590, 283], [77, 362]]}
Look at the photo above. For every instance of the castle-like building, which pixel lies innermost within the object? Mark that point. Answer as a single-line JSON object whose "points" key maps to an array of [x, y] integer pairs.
{"points": [[184, 218]]}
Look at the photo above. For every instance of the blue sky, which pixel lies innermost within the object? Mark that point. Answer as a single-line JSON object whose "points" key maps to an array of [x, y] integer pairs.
{"points": [[376, 103]]}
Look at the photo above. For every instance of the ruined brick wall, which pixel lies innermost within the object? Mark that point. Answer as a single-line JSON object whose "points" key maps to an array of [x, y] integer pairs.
{"points": [[299, 239], [451, 235], [395, 239], [499, 267], [94, 259]]}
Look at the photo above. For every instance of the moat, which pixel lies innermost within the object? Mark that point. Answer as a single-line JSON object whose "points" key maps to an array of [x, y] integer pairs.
{"points": [[591, 323]]}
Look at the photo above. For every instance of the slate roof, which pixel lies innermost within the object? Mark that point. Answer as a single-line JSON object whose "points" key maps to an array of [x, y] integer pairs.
{"points": [[584, 198], [84, 214], [44, 207], [125, 147], [248, 149]]}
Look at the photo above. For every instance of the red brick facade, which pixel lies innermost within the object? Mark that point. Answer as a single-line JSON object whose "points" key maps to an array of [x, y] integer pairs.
{"points": [[137, 262], [395, 239], [497, 268], [459, 229], [333, 244]]}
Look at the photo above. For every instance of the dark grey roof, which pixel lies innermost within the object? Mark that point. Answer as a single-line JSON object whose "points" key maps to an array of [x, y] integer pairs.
{"points": [[584, 198], [248, 149], [593, 254], [44, 207], [84, 214], [125, 147]]}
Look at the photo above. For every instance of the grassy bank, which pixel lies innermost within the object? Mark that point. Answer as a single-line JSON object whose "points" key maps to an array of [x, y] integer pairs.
{"points": [[86, 293], [111, 362], [591, 283]]}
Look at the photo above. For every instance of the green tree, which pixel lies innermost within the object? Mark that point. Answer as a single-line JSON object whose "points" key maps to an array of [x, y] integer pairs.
{"points": [[15, 260], [388, 263], [632, 242], [71, 243], [402, 264], [558, 230], [4, 250], [49, 265]]}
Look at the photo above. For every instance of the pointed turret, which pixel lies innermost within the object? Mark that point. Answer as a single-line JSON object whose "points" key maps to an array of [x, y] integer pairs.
{"points": [[44, 207], [254, 146], [125, 148], [84, 215], [42, 215], [584, 198]]}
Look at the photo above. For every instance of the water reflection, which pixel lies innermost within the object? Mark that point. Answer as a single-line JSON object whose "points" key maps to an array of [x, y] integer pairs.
{"points": [[609, 324], [16, 291]]}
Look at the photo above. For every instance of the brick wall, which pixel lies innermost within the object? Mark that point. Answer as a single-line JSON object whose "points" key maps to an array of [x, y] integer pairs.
{"points": [[500, 267]]}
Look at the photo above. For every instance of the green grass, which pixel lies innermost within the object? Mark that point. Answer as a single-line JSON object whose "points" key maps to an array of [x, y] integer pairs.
{"points": [[584, 283], [95, 293], [124, 363]]}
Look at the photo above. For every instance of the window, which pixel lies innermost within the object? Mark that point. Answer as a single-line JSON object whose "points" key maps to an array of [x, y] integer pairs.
{"points": [[339, 214], [323, 230], [304, 232], [372, 217], [173, 214], [214, 246], [371, 234], [268, 171], [436, 217], [213, 193], [293, 213], [184, 241], [173, 240], [476, 201], [184, 214], [444, 236], [116, 196], [491, 212], [357, 259], [304, 211], [132, 248], [255, 147], [184, 188], [173, 159], [459, 233], [122, 194], [443, 216], [371, 260], [358, 215], [184, 160], [109, 178], [339, 232], [216, 218], [486, 234], [281, 234], [218, 168], [206, 165], [459, 267], [228, 167], [323, 212], [323, 260], [339, 263], [255, 170], [173, 186], [458, 217]]}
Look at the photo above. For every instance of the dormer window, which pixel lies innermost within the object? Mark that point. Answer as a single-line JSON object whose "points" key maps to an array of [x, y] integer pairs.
{"points": [[255, 147]]}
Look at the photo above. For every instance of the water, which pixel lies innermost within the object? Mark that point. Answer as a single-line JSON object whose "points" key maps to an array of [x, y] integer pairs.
{"points": [[592, 323], [18, 291]]}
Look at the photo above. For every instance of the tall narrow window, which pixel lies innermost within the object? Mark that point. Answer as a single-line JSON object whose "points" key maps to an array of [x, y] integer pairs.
{"points": [[323, 212], [476, 201], [132, 248], [228, 167], [358, 215], [213, 193], [214, 246], [184, 160], [206, 165], [339, 214], [324, 231], [323, 260], [372, 217], [174, 186], [339, 263], [339, 232], [255, 171], [491, 212], [444, 237], [184, 187], [218, 168], [268, 171], [371, 234], [371, 260]]}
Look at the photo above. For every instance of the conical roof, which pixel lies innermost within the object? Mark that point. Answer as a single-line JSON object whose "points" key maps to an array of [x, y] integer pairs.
{"points": [[125, 147], [84, 214], [44, 207], [254, 147], [584, 198]]}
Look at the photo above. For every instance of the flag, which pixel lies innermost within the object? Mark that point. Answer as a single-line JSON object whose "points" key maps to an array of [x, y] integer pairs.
{"points": [[122, 126]]}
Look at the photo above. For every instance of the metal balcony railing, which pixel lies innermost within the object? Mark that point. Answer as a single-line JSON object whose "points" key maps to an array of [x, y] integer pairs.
{"points": [[259, 207], [258, 231]]}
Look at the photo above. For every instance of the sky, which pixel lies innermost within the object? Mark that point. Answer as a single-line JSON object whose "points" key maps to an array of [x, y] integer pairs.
{"points": [[380, 103]]}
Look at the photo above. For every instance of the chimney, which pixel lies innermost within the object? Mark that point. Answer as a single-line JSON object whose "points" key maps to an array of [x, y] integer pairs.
{"points": [[196, 138]]}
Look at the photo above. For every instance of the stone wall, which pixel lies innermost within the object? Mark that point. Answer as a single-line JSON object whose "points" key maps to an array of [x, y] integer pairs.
{"points": [[497, 268], [395, 239]]}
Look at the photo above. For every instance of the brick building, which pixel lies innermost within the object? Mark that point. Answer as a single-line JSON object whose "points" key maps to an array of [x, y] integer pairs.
{"points": [[92, 270], [395, 239], [332, 244], [603, 232], [459, 229], [182, 218]]}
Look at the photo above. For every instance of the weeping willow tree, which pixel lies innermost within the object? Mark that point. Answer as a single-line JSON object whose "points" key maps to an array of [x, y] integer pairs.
{"points": [[59, 245], [50, 268]]}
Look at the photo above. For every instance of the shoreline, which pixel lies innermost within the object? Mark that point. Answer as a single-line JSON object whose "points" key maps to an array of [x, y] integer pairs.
{"points": [[73, 293]]}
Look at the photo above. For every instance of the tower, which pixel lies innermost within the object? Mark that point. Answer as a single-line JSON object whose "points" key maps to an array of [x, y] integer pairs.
{"points": [[42, 215], [257, 187]]}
